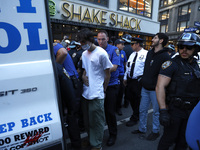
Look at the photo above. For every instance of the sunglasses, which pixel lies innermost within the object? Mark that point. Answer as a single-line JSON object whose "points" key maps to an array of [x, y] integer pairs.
{"points": [[186, 46]]}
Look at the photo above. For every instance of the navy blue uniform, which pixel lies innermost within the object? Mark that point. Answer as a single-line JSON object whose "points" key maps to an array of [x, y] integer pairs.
{"points": [[76, 55], [68, 96], [111, 91], [121, 69], [182, 95]]}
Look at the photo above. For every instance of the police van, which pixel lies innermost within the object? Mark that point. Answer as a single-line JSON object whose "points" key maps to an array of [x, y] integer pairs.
{"points": [[30, 114]]}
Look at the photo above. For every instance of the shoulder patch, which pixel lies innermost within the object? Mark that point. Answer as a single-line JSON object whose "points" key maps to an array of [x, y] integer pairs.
{"points": [[166, 64], [66, 73], [122, 55], [117, 52]]}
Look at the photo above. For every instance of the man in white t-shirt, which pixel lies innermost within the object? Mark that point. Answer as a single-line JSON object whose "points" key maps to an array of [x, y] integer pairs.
{"points": [[96, 75]]}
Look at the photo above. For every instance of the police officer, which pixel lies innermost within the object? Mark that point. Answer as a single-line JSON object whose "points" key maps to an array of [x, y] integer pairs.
{"points": [[112, 89], [75, 52], [171, 49], [128, 50], [119, 43], [181, 77], [132, 77], [67, 95]]}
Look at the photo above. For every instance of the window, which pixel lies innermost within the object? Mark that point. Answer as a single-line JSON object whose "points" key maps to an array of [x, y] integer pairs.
{"points": [[139, 7], [164, 28], [184, 10], [166, 2], [100, 2], [183, 17], [164, 15], [182, 25]]}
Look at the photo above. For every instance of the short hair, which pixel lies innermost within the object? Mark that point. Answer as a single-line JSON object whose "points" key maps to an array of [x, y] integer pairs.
{"points": [[103, 31], [85, 35], [164, 37]]}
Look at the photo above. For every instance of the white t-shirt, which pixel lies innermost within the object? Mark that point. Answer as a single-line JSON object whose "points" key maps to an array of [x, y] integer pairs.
{"points": [[95, 63]]}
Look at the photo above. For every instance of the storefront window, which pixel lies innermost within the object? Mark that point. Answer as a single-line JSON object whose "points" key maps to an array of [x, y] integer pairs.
{"points": [[100, 2], [139, 7]]}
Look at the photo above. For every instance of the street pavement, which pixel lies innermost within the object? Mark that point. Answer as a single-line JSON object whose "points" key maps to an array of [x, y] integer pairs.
{"points": [[125, 139]]}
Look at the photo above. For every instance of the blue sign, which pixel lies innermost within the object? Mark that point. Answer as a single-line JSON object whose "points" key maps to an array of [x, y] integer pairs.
{"points": [[190, 29], [197, 23]]}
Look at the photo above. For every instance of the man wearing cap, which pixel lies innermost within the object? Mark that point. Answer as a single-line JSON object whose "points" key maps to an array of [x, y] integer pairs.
{"points": [[132, 77], [121, 68], [76, 52], [65, 42], [128, 50]]}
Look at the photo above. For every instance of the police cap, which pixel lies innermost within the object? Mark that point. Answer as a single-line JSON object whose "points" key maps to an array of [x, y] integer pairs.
{"points": [[119, 41], [135, 40]]}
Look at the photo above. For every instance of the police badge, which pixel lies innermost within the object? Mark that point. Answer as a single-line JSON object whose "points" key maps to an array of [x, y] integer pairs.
{"points": [[117, 52], [166, 64], [141, 57]]}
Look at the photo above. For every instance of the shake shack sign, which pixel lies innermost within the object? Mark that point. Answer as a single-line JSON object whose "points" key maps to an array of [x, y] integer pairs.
{"points": [[79, 13]]}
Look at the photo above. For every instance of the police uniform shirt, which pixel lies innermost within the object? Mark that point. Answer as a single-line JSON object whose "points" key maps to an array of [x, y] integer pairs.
{"points": [[170, 68], [122, 61], [139, 64], [113, 53], [184, 82], [68, 63], [75, 55]]}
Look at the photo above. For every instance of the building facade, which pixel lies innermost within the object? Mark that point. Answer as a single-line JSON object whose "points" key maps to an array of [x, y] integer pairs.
{"points": [[117, 17], [178, 16]]}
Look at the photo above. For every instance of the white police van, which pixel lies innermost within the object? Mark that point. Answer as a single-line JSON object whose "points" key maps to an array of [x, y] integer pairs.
{"points": [[29, 103]]}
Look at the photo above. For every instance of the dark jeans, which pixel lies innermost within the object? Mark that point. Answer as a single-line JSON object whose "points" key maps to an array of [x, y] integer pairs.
{"points": [[110, 107]]}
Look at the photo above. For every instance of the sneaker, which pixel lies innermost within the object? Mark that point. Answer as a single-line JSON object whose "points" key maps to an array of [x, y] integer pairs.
{"points": [[131, 123], [153, 136]]}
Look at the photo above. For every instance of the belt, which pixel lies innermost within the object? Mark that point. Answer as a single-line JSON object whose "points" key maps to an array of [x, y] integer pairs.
{"points": [[183, 103]]}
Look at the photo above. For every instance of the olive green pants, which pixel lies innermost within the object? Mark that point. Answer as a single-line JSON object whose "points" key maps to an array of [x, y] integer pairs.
{"points": [[94, 120]]}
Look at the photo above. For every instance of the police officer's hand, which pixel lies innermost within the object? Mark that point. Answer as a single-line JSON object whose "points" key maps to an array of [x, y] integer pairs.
{"points": [[164, 117]]}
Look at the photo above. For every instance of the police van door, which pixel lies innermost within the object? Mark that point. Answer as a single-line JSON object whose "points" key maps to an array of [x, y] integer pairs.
{"points": [[29, 110]]}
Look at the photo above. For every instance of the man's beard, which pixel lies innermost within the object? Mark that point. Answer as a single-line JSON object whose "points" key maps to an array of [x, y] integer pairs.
{"points": [[156, 44]]}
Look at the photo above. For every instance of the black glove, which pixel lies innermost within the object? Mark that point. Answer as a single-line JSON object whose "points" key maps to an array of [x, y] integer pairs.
{"points": [[164, 117]]}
